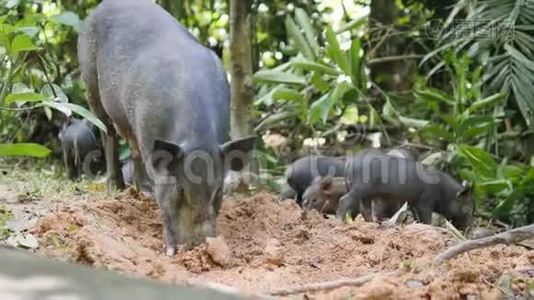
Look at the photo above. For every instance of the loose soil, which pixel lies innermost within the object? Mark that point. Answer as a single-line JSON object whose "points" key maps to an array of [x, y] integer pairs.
{"points": [[265, 245]]}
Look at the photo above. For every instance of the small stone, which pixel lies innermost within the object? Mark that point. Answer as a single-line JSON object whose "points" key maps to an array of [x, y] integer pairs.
{"points": [[219, 251], [414, 284], [272, 252]]}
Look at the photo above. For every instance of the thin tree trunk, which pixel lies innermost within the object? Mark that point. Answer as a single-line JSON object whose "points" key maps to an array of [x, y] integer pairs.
{"points": [[390, 75], [241, 62]]}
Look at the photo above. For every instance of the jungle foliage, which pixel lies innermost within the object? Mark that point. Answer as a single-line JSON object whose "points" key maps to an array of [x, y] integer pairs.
{"points": [[455, 80]]}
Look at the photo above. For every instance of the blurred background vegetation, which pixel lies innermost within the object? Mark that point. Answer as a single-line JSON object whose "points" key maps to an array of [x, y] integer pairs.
{"points": [[453, 80]]}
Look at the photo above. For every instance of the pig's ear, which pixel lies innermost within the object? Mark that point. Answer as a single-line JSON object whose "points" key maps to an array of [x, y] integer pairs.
{"points": [[88, 123], [466, 189], [238, 153], [166, 154], [326, 183]]}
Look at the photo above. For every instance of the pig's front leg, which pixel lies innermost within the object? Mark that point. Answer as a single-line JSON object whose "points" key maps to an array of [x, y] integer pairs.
{"points": [[167, 197]]}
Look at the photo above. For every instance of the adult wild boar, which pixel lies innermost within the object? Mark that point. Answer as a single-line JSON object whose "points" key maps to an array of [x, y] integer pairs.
{"points": [[150, 81]]}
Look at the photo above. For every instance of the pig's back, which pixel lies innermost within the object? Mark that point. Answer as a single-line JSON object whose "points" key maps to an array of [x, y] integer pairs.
{"points": [[157, 74]]}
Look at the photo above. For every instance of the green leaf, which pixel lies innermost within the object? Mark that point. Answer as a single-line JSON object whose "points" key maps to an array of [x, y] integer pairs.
{"points": [[353, 24], [319, 108], [350, 116], [434, 95], [48, 113], [287, 94], [485, 102], [335, 52], [293, 32], [506, 205], [374, 117], [451, 121], [267, 98], [321, 84], [357, 72], [493, 187], [47, 91], [339, 91], [309, 65], [311, 36], [24, 97], [517, 55], [390, 113], [269, 76], [68, 18], [437, 131], [413, 123], [22, 43], [60, 106], [472, 132], [24, 149], [480, 160], [82, 111], [30, 31]]}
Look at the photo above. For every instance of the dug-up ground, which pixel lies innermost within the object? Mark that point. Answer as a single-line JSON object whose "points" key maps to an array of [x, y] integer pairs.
{"points": [[265, 246]]}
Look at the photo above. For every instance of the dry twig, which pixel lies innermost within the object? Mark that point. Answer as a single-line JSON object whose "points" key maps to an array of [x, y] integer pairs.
{"points": [[329, 285], [508, 237]]}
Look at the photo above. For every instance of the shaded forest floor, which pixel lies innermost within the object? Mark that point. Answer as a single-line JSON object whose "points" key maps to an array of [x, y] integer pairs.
{"points": [[264, 245]]}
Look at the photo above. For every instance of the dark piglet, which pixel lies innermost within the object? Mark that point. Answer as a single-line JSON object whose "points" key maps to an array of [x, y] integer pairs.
{"points": [[303, 171], [149, 80], [371, 174], [80, 149], [324, 193]]}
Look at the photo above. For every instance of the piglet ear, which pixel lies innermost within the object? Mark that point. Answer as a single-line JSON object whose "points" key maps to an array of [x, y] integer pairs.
{"points": [[88, 123], [327, 183], [466, 188], [165, 155], [238, 153]]}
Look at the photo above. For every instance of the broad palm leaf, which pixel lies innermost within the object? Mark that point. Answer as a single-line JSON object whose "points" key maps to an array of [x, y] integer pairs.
{"points": [[500, 33]]}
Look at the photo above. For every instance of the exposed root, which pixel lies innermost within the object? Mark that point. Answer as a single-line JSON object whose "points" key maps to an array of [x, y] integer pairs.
{"points": [[329, 285], [508, 237]]}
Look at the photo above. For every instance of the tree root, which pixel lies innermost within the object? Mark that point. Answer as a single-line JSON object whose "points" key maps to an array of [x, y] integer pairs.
{"points": [[329, 285], [508, 237]]}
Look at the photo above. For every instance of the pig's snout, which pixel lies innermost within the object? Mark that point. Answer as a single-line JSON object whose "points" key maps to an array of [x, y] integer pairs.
{"points": [[198, 234], [196, 223], [207, 229]]}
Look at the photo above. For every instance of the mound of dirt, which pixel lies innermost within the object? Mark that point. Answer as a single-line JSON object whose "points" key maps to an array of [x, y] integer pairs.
{"points": [[266, 245]]}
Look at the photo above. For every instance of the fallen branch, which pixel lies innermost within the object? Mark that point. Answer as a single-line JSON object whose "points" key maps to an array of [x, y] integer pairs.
{"points": [[329, 285], [397, 218], [508, 237], [454, 232]]}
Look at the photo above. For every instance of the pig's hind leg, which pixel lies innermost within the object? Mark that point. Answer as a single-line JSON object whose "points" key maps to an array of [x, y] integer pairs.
{"points": [[87, 53]]}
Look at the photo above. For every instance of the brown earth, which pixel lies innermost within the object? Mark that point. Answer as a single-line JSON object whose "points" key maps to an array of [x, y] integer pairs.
{"points": [[265, 245]]}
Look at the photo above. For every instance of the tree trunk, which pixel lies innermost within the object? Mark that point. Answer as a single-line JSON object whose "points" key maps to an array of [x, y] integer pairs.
{"points": [[391, 75], [241, 68]]}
